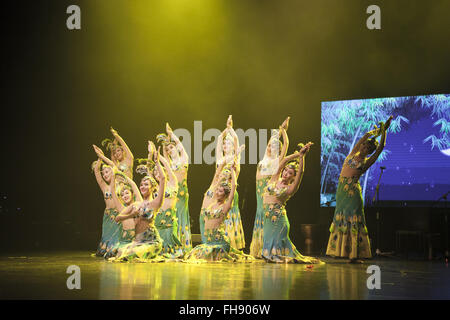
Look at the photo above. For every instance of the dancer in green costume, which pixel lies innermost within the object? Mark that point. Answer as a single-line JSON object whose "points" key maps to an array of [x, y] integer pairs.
{"points": [[348, 232], [264, 171]]}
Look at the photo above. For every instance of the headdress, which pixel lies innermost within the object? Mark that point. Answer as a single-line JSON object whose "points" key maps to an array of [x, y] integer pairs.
{"points": [[110, 145], [164, 139]]}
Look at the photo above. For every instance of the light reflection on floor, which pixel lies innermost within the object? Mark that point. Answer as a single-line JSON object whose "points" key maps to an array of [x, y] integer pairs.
{"points": [[44, 276]]}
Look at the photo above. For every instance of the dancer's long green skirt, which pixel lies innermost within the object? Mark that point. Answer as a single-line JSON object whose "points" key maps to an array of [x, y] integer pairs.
{"points": [[348, 231]]}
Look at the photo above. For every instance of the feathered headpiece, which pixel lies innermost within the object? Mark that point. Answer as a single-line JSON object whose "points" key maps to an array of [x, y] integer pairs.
{"points": [[226, 186], [144, 166], [102, 165], [294, 164], [110, 145], [164, 139]]}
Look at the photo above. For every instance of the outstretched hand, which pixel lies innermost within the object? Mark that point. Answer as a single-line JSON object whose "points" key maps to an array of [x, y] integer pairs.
{"points": [[285, 124], [388, 123], [305, 149], [230, 122], [151, 147], [156, 156], [97, 150], [169, 129]]}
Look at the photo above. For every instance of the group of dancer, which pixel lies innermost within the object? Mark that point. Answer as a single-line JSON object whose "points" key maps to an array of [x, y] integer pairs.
{"points": [[151, 223]]}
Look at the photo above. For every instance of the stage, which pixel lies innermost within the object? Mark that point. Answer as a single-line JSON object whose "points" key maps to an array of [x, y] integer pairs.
{"points": [[43, 276]]}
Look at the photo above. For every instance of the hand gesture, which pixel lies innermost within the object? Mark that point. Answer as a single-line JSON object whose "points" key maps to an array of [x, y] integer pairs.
{"points": [[114, 132], [169, 129], [97, 150], [303, 151], [151, 147], [285, 124], [388, 123], [230, 122], [156, 156]]}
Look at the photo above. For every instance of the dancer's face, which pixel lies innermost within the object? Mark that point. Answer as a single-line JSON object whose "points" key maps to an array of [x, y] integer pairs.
{"points": [[145, 187], [220, 193], [106, 174], [126, 196], [172, 151], [118, 154], [288, 174]]}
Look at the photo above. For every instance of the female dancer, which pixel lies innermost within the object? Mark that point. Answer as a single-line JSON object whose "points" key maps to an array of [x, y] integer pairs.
{"points": [[266, 167], [110, 229], [222, 174], [128, 192], [277, 246], [348, 231], [166, 217], [121, 155], [227, 149], [217, 246], [147, 243], [173, 150]]}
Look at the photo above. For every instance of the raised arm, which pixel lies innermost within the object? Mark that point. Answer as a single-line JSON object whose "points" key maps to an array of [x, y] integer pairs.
{"points": [[285, 143], [100, 154], [123, 144], [219, 147], [229, 202], [171, 177], [119, 204], [293, 187], [98, 176], [134, 187], [180, 147], [282, 164], [217, 174], [158, 201], [381, 145]]}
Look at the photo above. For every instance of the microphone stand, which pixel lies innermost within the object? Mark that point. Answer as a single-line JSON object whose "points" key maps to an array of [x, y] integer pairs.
{"points": [[446, 254], [375, 200]]}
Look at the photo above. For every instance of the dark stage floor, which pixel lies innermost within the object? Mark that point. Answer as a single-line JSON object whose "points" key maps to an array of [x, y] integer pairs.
{"points": [[43, 276]]}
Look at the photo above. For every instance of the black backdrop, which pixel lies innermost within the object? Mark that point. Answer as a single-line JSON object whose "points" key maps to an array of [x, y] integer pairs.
{"points": [[136, 64]]}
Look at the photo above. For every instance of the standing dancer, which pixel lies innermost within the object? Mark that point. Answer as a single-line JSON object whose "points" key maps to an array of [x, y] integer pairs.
{"points": [[217, 247], [174, 151], [277, 246], [110, 228], [348, 232], [166, 218], [264, 171], [121, 155], [147, 244], [227, 149], [128, 192]]}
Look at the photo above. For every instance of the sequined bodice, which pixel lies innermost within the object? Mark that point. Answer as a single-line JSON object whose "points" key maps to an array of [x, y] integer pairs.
{"points": [[108, 195], [278, 192], [146, 213], [213, 214], [123, 167]]}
